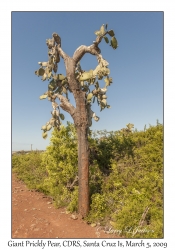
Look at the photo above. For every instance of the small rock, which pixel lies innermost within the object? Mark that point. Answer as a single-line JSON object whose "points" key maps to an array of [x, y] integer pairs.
{"points": [[74, 217], [67, 212], [49, 202], [36, 229], [25, 209], [93, 225]]}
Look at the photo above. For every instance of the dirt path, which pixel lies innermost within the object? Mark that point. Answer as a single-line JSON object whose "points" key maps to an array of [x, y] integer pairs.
{"points": [[34, 216]]}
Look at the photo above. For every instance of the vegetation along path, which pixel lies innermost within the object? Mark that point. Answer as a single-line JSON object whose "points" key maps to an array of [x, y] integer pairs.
{"points": [[34, 216]]}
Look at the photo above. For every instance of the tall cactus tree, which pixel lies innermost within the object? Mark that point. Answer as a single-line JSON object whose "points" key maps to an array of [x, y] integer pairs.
{"points": [[78, 82]]}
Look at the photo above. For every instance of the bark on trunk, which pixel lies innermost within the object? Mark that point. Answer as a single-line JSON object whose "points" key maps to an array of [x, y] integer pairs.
{"points": [[80, 115], [82, 125], [83, 171]]}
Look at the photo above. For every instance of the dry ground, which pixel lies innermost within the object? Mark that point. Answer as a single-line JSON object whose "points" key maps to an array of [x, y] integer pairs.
{"points": [[34, 216]]}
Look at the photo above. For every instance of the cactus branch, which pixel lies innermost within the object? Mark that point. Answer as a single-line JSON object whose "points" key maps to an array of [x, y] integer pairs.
{"points": [[61, 52], [92, 49], [99, 38], [80, 51], [66, 105]]}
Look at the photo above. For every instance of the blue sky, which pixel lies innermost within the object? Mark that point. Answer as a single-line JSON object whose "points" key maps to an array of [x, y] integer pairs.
{"points": [[136, 94]]}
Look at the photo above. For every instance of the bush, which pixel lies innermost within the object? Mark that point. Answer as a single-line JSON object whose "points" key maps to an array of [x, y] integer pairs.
{"points": [[132, 193], [61, 162], [28, 169], [126, 177]]}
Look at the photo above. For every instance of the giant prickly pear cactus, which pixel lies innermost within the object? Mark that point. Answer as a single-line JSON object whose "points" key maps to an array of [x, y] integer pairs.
{"points": [[80, 83]]}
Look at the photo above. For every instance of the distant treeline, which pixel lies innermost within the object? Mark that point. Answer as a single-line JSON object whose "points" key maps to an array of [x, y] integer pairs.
{"points": [[26, 151]]}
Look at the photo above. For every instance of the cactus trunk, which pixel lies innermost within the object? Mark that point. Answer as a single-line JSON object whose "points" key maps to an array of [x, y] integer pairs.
{"points": [[82, 126], [83, 171]]}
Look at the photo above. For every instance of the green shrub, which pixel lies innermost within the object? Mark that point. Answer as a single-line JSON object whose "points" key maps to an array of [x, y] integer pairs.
{"points": [[28, 168], [99, 208], [125, 177], [134, 184], [61, 162]]}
